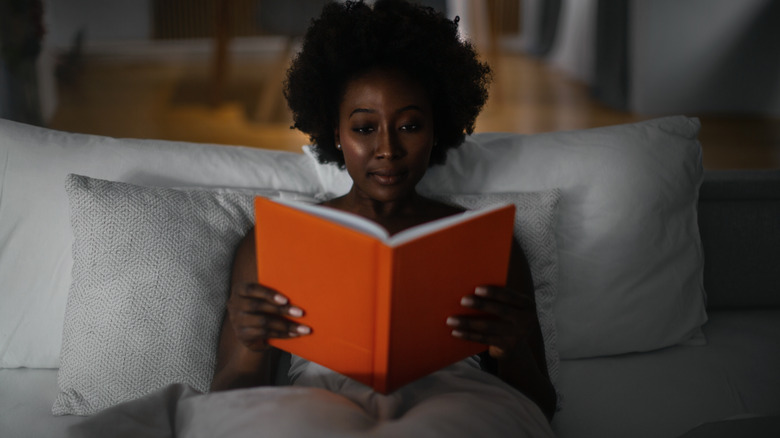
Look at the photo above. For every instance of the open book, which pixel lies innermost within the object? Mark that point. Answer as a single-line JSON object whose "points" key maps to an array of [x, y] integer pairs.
{"points": [[378, 304]]}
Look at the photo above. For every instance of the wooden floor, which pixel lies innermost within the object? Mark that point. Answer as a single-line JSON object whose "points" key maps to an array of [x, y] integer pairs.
{"points": [[171, 99]]}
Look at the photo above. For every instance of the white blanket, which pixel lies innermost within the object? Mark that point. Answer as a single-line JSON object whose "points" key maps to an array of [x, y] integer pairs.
{"points": [[458, 401]]}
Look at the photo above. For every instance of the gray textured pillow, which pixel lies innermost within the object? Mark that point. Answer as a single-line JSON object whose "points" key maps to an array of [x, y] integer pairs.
{"points": [[535, 219], [150, 280]]}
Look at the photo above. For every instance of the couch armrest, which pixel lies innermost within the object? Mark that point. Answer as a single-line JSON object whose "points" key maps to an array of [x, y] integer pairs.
{"points": [[739, 222]]}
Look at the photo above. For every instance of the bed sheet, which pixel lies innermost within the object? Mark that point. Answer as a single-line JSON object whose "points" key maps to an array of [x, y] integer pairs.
{"points": [[26, 398], [669, 392], [629, 395], [458, 401]]}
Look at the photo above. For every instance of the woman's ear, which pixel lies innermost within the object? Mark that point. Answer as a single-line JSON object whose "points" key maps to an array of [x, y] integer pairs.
{"points": [[336, 138]]}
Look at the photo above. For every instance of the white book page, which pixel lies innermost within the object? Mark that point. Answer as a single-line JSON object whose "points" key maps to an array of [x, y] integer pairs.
{"points": [[371, 228], [415, 232], [349, 220]]}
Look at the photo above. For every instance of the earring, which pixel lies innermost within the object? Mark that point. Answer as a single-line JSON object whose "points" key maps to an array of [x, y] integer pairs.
{"points": [[338, 146]]}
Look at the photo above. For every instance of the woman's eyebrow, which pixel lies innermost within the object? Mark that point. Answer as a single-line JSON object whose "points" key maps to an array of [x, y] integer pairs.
{"points": [[361, 110], [398, 111], [409, 108]]}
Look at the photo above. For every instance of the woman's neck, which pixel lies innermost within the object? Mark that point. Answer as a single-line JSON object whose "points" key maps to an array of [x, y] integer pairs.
{"points": [[396, 215]]}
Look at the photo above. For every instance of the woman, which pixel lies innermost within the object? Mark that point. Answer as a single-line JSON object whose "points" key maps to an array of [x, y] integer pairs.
{"points": [[384, 92]]}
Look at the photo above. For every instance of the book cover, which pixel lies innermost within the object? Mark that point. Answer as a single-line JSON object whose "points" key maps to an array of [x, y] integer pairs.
{"points": [[377, 304]]}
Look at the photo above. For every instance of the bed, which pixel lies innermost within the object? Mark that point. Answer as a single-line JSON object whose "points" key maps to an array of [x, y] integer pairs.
{"points": [[656, 281]]}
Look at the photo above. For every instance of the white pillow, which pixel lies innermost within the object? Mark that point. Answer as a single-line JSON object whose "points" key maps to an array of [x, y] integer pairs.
{"points": [[630, 258], [535, 219], [35, 233], [150, 280]]}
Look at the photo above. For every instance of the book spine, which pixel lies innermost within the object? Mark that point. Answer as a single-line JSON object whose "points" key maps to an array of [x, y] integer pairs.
{"points": [[384, 295]]}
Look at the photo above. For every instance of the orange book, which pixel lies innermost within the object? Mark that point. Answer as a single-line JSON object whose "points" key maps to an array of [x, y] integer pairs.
{"points": [[378, 304]]}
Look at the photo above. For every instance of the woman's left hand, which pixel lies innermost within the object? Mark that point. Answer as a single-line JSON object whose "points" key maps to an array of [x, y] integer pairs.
{"points": [[508, 325]]}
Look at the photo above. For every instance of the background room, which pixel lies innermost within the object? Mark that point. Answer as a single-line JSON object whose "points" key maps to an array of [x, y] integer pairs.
{"points": [[655, 278], [210, 70]]}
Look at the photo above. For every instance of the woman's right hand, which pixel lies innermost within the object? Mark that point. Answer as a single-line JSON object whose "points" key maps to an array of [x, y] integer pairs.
{"points": [[258, 313]]}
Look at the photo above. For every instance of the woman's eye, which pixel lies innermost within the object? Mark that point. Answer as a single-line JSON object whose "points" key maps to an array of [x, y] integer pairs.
{"points": [[410, 127], [363, 129]]}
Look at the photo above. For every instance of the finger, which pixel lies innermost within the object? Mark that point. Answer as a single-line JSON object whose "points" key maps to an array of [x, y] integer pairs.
{"points": [[256, 298], [504, 295], [267, 323], [259, 306], [482, 338], [257, 339], [493, 327], [255, 290], [497, 342], [502, 310], [255, 334]]}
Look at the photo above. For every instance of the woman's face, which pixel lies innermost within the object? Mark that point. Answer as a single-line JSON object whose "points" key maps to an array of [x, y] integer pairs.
{"points": [[386, 134]]}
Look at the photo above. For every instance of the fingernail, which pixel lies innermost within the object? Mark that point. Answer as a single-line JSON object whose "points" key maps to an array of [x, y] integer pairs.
{"points": [[304, 330], [453, 321], [295, 311], [280, 299], [466, 301], [481, 291], [457, 333]]}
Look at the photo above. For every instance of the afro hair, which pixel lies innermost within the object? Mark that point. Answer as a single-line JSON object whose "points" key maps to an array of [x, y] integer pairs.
{"points": [[352, 38]]}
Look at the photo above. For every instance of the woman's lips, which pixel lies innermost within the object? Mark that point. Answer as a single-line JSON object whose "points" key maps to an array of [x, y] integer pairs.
{"points": [[388, 177]]}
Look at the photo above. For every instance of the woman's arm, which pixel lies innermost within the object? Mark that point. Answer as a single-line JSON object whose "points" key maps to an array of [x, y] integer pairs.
{"points": [[254, 314], [513, 334], [533, 373]]}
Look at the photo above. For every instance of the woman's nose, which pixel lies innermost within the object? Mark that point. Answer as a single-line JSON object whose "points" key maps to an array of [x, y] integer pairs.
{"points": [[388, 146]]}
